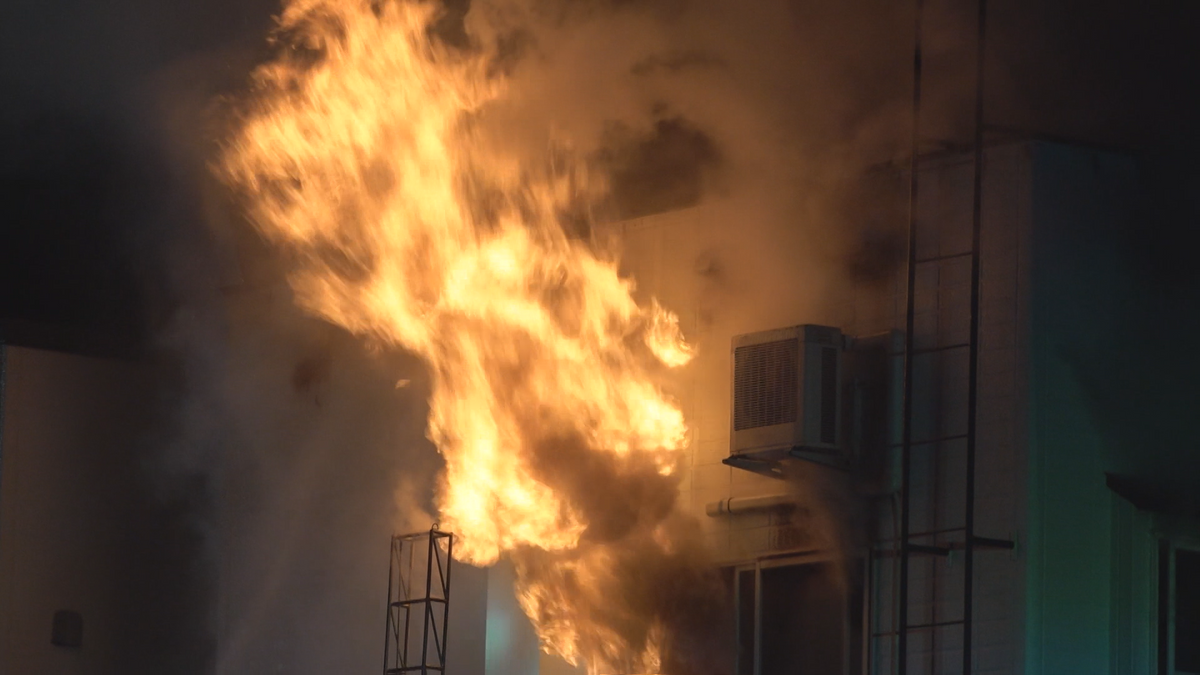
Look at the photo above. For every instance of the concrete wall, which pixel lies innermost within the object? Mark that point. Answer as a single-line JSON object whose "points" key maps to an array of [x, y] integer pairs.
{"points": [[303, 549], [940, 387], [704, 264], [1080, 374], [512, 646], [67, 480], [724, 275], [323, 459], [1088, 551]]}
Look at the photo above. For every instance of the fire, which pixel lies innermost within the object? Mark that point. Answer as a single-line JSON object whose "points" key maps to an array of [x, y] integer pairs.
{"points": [[363, 160]]}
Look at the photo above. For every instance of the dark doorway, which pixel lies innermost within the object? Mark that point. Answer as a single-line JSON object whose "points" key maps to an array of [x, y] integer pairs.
{"points": [[794, 619], [1187, 611], [803, 621]]}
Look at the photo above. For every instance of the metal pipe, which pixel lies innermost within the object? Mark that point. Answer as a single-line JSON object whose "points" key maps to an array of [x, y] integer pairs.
{"points": [[737, 622], [428, 603], [973, 365], [909, 330], [408, 592], [735, 505], [1164, 607], [868, 594], [758, 620], [387, 627], [446, 596]]}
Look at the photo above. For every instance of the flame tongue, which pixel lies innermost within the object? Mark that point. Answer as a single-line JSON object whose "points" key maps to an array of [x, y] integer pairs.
{"points": [[409, 229]]}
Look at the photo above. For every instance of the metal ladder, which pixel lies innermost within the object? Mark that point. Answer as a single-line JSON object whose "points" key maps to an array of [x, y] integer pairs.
{"points": [[941, 442]]}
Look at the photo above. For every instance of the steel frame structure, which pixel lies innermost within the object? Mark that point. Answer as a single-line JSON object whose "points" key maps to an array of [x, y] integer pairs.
{"points": [[418, 602]]}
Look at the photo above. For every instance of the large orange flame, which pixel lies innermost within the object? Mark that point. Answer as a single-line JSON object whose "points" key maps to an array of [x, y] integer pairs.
{"points": [[362, 159]]}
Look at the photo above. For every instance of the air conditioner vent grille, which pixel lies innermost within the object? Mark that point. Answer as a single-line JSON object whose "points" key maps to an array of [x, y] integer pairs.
{"points": [[829, 392], [765, 384]]}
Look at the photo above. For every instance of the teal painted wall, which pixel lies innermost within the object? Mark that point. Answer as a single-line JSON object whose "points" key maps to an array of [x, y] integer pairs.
{"points": [[1081, 202], [1113, 388]]}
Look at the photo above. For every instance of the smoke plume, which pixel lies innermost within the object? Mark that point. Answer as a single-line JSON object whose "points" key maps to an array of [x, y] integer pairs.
{"points": [[612, 110]]}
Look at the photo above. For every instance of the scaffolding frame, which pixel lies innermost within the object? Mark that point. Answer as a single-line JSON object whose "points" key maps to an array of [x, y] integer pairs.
{"points": [[418, 602]]}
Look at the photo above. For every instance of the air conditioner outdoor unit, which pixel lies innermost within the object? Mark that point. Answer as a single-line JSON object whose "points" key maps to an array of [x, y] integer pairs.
{"points": [[787, 395]]}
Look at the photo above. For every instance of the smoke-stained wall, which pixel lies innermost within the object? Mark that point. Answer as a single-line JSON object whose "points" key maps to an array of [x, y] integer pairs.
{"points": [[728, 281], [323, 458], [726, 272]]}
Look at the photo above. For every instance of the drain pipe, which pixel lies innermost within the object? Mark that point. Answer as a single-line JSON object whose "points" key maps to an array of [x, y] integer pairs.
{"points": [[734, 505]]}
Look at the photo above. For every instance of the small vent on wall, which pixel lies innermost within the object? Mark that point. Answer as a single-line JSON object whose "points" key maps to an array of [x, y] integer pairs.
{"points": [[764, 377], [67, 629]]}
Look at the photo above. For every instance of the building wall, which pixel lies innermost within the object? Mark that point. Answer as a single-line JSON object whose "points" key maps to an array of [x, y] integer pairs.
{"points": [[323, 459], [704, 264], [511, 643], [1074, 375], [940, 389], [724, 275], [1086, 548], [70, 424]]}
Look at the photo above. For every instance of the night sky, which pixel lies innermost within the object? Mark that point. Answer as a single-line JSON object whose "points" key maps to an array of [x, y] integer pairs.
{"points": [[89, 187], [92, 188]]}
